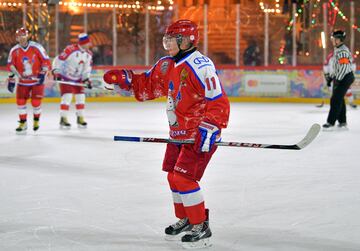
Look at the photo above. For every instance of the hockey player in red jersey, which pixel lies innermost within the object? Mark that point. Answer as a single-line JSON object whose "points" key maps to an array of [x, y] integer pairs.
{"points": [[73, 66], [197, 108], [29, 63]]}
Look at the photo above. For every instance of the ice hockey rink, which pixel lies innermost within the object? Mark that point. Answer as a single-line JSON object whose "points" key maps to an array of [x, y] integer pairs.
{"points": [[79, 190]]}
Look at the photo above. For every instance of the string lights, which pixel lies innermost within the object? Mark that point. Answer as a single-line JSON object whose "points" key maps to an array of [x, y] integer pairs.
{"points": [[281, 58], [313, 15], [342, 15], [102, 5], [290, 26], [291, 22], [339, 12], [9, 4], [276, 9]]}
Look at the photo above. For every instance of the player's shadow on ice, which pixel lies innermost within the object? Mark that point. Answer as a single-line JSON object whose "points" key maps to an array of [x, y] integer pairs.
{"points": [[85, 238], [318, 111], [278, 239]]}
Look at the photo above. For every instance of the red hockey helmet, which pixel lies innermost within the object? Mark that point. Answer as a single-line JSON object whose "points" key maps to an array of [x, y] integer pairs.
{"points": [[21, 32], [184, 27]]}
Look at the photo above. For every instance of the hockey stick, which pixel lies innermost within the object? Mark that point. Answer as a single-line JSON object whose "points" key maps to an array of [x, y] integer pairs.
{"points": [[320, 105], [109, 88], [74, 84], [309, 137], [68, 83]]}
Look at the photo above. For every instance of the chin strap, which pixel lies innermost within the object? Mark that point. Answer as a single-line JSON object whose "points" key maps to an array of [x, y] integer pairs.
{"points": [[339, 45], [182, 53]]}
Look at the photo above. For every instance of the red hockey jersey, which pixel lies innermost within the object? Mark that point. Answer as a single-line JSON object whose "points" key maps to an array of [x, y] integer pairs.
{"points": [[28, 62], [193, 89]]}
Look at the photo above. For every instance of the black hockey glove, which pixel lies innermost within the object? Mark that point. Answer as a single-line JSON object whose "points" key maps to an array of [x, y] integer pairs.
{"points": [[88, 84], [41, 77], [56, 75], [11, 83], [328, 79]]}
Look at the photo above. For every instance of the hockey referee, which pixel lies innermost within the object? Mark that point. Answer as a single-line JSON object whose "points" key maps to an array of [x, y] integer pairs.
{"points": [[343, 76]]}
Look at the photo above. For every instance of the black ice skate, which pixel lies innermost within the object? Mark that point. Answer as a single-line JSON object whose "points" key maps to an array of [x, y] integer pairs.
{"points": [[175, 231], [353, 105], [81, 122], [327, 127], [343, 126], [199, 236], [21, 129], [64, 123], [36, 124]]}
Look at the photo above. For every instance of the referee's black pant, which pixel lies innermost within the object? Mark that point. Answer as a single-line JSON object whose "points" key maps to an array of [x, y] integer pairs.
{"points": [[337, 101]]}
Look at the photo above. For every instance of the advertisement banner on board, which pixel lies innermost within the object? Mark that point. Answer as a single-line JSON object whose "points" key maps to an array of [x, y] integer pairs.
{"points": [[355, 87], [266, 84], [299, 83]]}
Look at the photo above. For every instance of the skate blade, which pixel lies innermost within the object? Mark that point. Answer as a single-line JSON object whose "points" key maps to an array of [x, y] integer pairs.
{"points": [[320, 105], [175, 237], [65, 127], [21, 133], [329, 129], [203, 243], [82, 126], [343, 128]]}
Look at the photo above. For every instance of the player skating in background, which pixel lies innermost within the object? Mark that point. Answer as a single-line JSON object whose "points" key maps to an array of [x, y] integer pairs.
{"points": [[29, 63], [343, 76], [328, 70], [197, 108], [73, 66]]}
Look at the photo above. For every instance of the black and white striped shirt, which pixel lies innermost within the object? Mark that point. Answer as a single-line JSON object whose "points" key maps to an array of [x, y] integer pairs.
{"points": [[342, 62]]}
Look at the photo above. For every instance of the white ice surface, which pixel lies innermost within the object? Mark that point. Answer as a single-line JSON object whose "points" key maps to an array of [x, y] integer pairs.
{"points": [[79, 190]]}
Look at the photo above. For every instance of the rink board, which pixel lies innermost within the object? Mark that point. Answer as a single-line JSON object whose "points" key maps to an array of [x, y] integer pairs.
{"points": [[252, 84]]}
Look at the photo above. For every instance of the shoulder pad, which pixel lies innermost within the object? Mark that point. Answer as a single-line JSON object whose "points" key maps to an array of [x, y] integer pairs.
{"points": [[163, 65], [40, 48], [68, 51]]}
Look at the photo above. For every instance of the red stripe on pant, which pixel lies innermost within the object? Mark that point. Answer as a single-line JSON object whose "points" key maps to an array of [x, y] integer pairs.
{"points": [[22, 102], [36, 103], [80, 106], [180, 183], [64, 107], [23, 117]]}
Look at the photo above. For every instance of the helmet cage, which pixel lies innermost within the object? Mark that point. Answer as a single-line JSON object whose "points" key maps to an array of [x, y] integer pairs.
{"points": [[168, 37]]}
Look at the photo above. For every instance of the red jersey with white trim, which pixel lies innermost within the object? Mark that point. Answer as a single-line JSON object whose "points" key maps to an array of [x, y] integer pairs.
{"points": [[28, 62], [74, 63], [193, 89]]}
